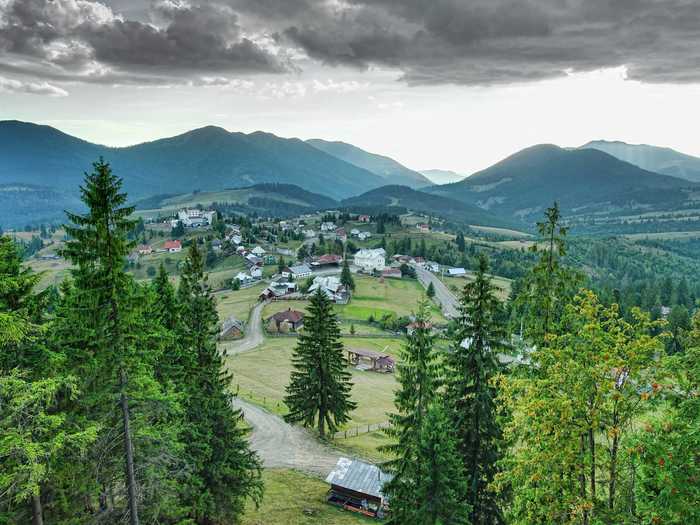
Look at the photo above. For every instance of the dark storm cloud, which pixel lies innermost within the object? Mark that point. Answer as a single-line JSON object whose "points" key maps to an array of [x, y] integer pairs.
{"points": [[86, 38], [429, 41]]}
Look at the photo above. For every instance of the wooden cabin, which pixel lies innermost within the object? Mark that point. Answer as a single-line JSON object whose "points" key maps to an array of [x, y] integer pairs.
{"points": [[357, 486], [374, 361]]}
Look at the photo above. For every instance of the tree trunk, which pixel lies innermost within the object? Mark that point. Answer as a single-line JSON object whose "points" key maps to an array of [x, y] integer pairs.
{"points": [[129, 453], [613, 472], [582, 477], [591, 441], [37, 511]]}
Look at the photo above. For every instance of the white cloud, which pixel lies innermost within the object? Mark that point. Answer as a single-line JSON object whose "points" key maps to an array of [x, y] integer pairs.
{"points": [[344, 86], [10, 85], [280, 90]]}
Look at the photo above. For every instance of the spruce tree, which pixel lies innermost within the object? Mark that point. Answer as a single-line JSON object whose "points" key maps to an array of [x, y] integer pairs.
{"points": [[440, 482], [472, 365], [223, 471], [346, 277], [430, 291], [319, 388], [419, 379]]}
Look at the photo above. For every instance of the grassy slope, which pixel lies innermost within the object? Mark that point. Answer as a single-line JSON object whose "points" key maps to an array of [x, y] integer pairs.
{"points": [[292, 498]]}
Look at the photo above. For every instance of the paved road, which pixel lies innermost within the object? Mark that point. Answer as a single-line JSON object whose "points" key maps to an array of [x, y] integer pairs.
{"points": [[281, 445], [443, 296], [253, 333]]}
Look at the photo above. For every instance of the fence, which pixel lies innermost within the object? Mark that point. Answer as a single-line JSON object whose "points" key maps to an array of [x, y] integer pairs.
{"points": [[364, 429]]}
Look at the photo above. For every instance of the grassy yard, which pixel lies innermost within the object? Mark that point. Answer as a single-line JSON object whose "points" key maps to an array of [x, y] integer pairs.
{"points": [[262, 375], [293, 498], [239, 302], [455, 284]]}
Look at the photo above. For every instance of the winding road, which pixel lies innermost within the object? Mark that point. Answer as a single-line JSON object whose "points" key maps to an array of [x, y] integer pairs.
{"points": [[443, 296], [279, 444]]}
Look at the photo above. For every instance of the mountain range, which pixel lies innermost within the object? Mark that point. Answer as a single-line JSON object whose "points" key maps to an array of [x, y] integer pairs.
{"points": [[443, 176], [390, 170], [42, 169], [582, 181], [652, 158]]}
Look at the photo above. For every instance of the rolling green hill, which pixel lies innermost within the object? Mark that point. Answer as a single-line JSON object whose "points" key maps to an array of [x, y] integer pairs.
{"points": [[584, 182], [391, 171], [393, 197], [26, 204]]}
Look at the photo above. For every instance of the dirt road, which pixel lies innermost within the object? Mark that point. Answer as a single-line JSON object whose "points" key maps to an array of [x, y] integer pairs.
{"points": [[253, 334]]}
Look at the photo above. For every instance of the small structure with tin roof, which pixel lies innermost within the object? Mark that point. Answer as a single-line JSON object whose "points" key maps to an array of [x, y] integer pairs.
{"points": [[370, 360], [357, 486]]}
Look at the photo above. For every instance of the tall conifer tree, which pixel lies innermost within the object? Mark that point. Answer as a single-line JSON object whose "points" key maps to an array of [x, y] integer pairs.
{"points": [[472, 365], [319, 389]]}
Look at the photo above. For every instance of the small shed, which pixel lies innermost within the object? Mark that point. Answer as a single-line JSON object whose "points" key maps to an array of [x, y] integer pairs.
{"points": [[374, 361], [231, 328], [293, 318], [357, 486]]}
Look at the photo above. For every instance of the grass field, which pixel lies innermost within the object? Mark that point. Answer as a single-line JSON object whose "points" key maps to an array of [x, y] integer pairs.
{"points": [[293, 498], [455, 284], [500, 231], [239, 302], [262, 375], [665, 236]]}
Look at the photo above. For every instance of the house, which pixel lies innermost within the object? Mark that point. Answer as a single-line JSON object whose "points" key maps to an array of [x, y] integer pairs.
{"points": [[332, 288], [173, 246], [300, 271], [278, 289], [309, 234], [287, 319], [423, 228], [432, 266], [370, 360], [419, 261], [258, 251], [411, 327], [363, 218], [391, 273], [456, 272], [329, 259], [241, 250], [357, 486], [364, 235], [235, 238], [144, 249], [243, 277], [354, 232], [341, 234], [371, 260], [231, 328], [327, 227], [194, 218], [252, 260], [216, 244], [256, 272]]}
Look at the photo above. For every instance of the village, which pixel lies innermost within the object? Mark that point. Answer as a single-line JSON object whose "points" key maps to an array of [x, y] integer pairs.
{"points": [[261, 273]]}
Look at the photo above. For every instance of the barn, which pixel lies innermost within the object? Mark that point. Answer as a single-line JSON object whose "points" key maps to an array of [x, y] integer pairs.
{"points": [[357, 486]]}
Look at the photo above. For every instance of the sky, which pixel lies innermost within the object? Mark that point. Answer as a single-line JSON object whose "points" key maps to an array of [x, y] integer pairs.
{"points": [[448, 84]]}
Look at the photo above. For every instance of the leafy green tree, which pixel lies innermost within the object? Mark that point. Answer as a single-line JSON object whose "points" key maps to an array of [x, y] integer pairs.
{"points": [[223, 471], [346, 277], [302, 253], [440, 483], [472, 367], [665, 448], [319, 388], [419, 377], [567, 462], [430, 291]]}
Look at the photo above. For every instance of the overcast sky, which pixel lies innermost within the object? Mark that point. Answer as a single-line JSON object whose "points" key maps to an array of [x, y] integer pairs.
{"points": [[450, 84]]}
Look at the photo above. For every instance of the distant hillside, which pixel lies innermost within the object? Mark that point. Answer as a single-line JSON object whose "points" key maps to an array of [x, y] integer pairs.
{"points": [[410, 199], [280, 200], [26, 204], [207, 159], [391, 171], [443, 176], [584, 181], [653, 158]]}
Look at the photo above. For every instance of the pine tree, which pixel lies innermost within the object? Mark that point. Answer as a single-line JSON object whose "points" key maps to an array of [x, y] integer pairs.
{"points": [[319, 389], [346, 277], [419, 379], [223, 469], [472, 365], [430, 291], [440, 482]]}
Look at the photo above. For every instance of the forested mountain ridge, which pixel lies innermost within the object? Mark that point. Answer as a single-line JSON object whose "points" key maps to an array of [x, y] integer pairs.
{"points": [[208, 158], [582, 181], [653, 158]]}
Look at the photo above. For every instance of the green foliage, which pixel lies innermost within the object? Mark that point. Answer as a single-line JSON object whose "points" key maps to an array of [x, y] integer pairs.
{"points": [[346, 277], [319, 388], [472, 366], [430, 291]]}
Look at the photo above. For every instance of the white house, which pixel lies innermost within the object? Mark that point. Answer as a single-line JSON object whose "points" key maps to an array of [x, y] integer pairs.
{"points": [[243, 277], [194, 218], [456, 272], [328, 227], [370, 260], [331, 287], [364, 235], [432, 266], [258, 251], [354, 232], [297, 272], [256, 273]]}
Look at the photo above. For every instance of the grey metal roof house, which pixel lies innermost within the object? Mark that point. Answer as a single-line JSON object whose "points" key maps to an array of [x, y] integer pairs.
{"points": [[357, 486]]}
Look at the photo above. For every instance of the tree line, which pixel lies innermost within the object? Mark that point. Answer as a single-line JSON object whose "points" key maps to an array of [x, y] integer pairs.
{"points": [[114, 402]]}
